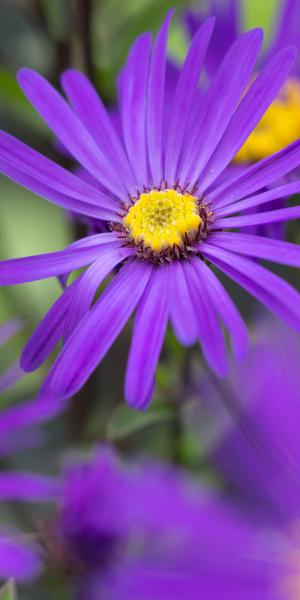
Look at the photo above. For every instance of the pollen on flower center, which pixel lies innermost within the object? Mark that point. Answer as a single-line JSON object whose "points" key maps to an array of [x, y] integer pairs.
{"points": [[279, 126], [163, 219]]}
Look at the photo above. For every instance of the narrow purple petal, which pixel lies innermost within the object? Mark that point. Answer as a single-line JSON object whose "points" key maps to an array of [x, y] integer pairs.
{"points": [[18, 560], [25, 414], [109, 238], [90, 281], [228, 26], [147, 340], [42, 266], [156, 92], [277, 251], [51, 328], [248, 113], [69, 129], [275, 193], [31, 162], [132, 86], [226, 309], [67, 202], [256, 177], [91, 111], [219, 104], [209, 329], [185, 328], [27, 487], [282, 299], [48, 332], [186, 90], [271, 216], [97, 331]]}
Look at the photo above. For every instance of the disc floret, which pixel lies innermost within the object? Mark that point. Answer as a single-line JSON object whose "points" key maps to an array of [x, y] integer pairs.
{"points": [[161, 221]]}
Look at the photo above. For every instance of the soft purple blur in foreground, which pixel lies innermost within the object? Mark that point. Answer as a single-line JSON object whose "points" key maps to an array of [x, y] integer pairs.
{"points": [[266, 466], [148, 531], [19, 557]]}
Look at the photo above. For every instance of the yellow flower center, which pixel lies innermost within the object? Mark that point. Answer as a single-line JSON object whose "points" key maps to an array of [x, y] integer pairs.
{"points": [[160, 220], [279, 126]]}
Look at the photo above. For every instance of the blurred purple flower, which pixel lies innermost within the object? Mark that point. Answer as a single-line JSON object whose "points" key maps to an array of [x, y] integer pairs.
{"points": [[258, 452], [261, 455], [164, 208], [150, 532], [147, 531], [19, 557]]}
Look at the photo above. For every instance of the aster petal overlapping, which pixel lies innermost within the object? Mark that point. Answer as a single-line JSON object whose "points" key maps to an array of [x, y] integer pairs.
{"points": [[183, 144]]}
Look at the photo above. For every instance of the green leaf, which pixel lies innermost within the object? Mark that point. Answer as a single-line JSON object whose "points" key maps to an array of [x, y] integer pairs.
{"points": [[8, 592], [125, 421]]}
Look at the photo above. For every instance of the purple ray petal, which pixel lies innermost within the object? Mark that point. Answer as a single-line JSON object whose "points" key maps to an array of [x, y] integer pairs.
{"points": [[256, 177], [27, 486], [282, 299], [132, 86], [219, 103], [85, 291], [69, 129], [42, 266], [67, 202], [25, 414], [34, 164], [276, 193], [228, 26], [109, 238], [277, 251], [226, 309], [248, 113], [155, 107], [271, 216], [209, 330], [186, 329], [185, 93], [97, 331], [147, 340], [48, 332], [91, 111], [18, 560]]}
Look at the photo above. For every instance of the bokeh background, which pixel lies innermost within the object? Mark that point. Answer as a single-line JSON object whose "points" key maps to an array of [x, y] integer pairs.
{"points": [[93, 35]]}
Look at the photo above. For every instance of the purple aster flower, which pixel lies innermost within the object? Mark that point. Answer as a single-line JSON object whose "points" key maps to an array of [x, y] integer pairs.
{"points": [[165, 207], [280, 125]]}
